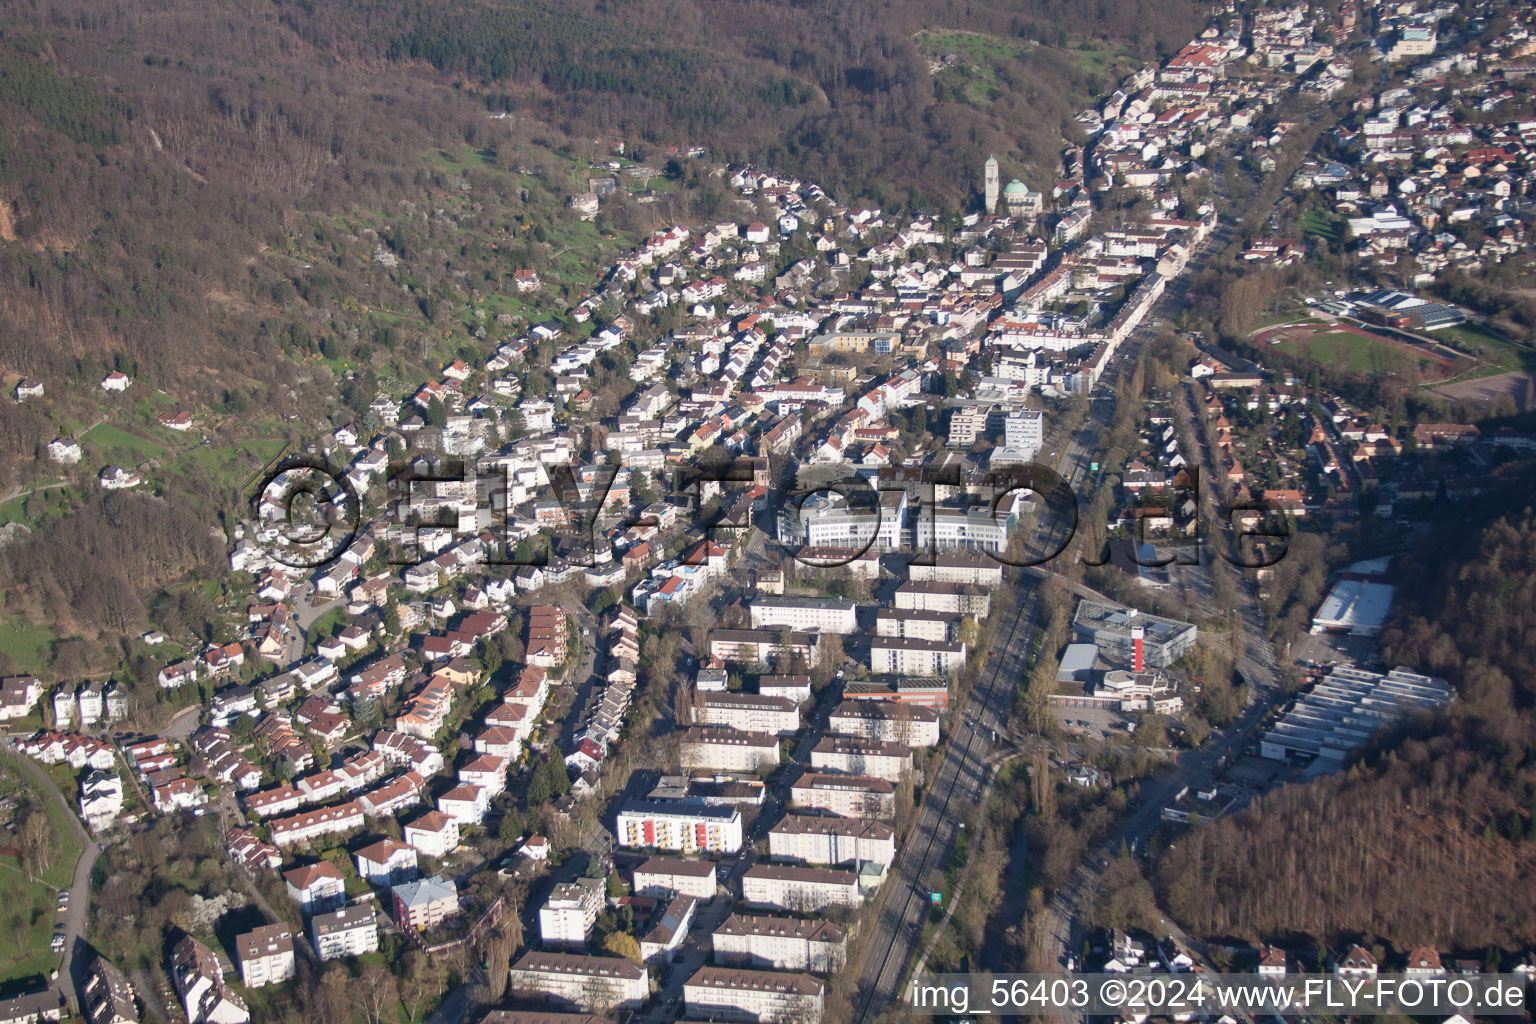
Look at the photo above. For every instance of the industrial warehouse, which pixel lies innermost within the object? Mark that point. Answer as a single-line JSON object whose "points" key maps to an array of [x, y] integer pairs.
{"points": [[1344, 711]]}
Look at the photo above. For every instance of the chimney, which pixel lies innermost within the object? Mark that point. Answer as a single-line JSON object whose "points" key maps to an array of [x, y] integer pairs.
{"points": [[1137, 633]]}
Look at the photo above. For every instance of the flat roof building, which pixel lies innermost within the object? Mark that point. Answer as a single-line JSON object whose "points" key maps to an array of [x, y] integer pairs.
{"points": [[686, 826], [811, 614], [1117, 631], [1355, 606], [1346, 710]]}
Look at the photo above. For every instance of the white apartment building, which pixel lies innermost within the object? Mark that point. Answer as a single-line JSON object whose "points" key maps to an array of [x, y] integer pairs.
{"points": [[852, 796], [350, 931], [810, 614], [685, 826], [958, 567], [801, 889], [749, 712], [433, 834], [791, 687], [901, 656], [964, 529], [266, 955], [882, 759], [762, 646], [1024, 433], [567, 917], [915, 625], [953, 598], [780, 943], [965, 425], [595, 984], [828, 839], [737, 994], [667, 876], [309, 825], [912, 724], [728, 750]]}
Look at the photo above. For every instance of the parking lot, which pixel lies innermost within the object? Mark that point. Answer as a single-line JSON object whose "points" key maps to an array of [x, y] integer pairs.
{"points": [[1090, 722]]}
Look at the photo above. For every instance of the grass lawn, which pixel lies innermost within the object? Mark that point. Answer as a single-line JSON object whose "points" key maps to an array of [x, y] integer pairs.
{"points": [[1355, 353], [1316, 222], [23, 644], [30, 905], [13, 511], [463, 158], [1497, 355], [331, 622], [1102, 58], [116, 445], [233, 463]]}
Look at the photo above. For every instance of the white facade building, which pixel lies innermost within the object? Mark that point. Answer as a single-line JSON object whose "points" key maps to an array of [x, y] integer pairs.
{"points": [[780, 943], [728, 750], [828, 839], [801, 889], [737, 994], [685, 826], [810, 614]]}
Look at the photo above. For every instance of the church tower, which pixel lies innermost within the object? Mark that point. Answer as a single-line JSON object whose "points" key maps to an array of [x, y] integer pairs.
{"points": [[990, 184]]}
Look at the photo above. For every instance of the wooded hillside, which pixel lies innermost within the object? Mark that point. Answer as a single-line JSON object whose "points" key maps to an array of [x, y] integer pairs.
{"points": [[1432, 840]]}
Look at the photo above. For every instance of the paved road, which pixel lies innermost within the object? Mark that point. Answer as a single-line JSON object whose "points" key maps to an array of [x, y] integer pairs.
{"points": [[963, 771], [76, 954], [1063, 930]]}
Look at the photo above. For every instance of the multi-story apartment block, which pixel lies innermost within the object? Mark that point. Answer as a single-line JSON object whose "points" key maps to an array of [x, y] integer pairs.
{"points": [[686, 826], [955, 598], [728, 750], [883, 759], [1024, 433], [266, 955], [912, 724], [957, 567], [433, 834], [916, 625], [737, 994], [310, 825], [386, 862], [316, 887], [107, 997], [765, 646], [199, 981], [595, 984], [425, 903], [852, 796], [831, 839], [801, 889], [749, 712], [893, 655], [795, 687], [780, 943], [665, 876], [567, 917], [350, 931], [808, 614]]}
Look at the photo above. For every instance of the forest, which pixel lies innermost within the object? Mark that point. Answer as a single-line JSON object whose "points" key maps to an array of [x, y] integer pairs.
{"points": [[1430, 837], [160, 167]]}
